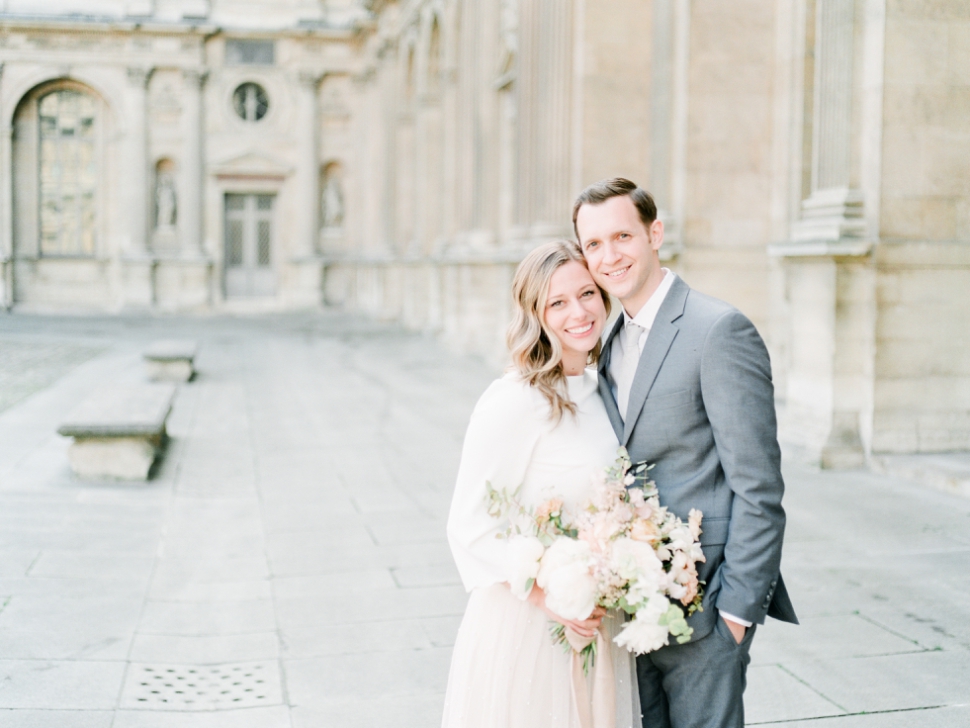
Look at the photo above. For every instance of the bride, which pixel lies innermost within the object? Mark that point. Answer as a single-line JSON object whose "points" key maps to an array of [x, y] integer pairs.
{"points": [[542, 427]]}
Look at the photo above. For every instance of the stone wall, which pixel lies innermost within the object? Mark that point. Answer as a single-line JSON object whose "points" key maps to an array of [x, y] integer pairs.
{"points": [[921, 370], [810, 159]]}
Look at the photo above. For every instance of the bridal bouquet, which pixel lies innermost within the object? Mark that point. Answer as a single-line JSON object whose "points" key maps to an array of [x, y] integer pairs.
{"points": [[620, 550]]}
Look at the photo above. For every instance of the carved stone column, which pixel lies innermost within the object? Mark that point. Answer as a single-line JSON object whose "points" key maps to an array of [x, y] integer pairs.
{"points": [[192, 192], [137, 265], [830, 282], [544, 118], [6, 212], [834, 210], [308, 172], [552, 135], [668, 117], [137, 162], [305, 265], [525, 89]]}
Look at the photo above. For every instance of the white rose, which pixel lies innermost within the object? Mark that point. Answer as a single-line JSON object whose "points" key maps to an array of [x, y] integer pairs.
{"points": [[643, 634], [524, 553], [681, 539], [571, 591], [632, 559], [646, 587]]}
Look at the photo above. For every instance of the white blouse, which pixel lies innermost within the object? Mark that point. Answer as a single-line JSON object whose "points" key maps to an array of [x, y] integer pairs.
{"points": [[512, 441]]}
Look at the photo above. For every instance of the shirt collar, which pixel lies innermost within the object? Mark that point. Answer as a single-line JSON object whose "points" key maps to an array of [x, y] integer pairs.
{"points": [[646, 315]]}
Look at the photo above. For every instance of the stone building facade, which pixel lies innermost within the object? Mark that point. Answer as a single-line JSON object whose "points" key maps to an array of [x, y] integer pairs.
{"points": [[811, 159], [170, 155]]}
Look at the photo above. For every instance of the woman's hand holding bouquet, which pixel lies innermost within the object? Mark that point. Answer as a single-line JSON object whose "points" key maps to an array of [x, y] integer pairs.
{"points": [[620, 550]]}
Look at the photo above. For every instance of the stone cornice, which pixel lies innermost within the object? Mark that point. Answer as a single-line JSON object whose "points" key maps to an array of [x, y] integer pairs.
{"points": [[188, 26], [848, 248]]}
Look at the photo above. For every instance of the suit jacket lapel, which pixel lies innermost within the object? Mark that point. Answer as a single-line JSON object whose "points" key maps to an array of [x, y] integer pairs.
{"points": [[661, 336], [606, 381]]}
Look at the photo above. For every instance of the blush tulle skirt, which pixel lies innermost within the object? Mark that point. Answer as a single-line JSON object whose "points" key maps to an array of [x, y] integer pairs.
{"points": [[507, 673]]}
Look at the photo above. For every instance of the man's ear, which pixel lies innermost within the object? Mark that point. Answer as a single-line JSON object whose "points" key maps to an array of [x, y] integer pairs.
{"points": [[656, 234]]}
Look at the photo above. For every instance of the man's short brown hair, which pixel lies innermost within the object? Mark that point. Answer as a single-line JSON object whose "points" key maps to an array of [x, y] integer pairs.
{"points": [[599, 192]]}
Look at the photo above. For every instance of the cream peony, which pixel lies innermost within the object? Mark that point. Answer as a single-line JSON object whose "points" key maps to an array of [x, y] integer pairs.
{"points": [[571, 591], [563, 552], [524, 553], [565, 575]]}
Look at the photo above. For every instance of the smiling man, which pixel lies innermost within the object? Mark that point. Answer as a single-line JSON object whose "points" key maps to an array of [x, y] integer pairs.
{"points": [[686, 382]]}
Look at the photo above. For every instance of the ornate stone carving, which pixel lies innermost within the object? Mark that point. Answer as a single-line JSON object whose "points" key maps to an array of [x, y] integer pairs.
{"points": [[138, 76]]}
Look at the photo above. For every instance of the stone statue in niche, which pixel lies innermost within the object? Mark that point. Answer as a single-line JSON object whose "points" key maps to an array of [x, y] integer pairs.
{"points": [[332, 201], [165, 201]]}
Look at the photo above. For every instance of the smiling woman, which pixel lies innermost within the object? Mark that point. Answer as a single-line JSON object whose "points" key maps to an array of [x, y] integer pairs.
{"points": [[575, 313], [506, 671], [553, 291]]}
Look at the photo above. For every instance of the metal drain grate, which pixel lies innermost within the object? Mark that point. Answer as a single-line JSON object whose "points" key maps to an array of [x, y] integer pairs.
{"points": [[202, 687]]}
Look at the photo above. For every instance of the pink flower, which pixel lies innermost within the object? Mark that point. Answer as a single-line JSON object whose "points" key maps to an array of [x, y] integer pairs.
{"points": [[694, 523], [642, 530], [549, 509]]}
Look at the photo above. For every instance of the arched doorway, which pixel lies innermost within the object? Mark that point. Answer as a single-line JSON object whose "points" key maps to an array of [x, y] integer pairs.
{"points": [[58, 197]]}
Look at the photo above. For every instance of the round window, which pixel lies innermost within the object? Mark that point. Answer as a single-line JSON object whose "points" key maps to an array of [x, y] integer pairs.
{"points": [[250, 102]]}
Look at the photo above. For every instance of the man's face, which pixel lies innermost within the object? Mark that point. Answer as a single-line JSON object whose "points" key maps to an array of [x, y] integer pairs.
{"points": [[620, 251]]}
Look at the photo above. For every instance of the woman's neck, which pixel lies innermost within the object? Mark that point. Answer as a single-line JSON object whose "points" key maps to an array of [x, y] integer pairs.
{"points": [[574, 363]]}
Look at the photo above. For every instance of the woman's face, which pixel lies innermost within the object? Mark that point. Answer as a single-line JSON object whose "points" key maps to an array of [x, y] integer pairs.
{"points": [[575, 312]]}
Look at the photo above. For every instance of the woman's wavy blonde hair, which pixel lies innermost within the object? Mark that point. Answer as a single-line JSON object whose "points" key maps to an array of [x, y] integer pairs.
{"points": [[536, 352]]}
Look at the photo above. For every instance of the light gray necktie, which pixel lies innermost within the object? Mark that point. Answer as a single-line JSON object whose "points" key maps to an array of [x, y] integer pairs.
{"points": [[628, 367]]}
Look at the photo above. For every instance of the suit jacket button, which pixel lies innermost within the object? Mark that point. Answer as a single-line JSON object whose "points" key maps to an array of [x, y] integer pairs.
{"points": [[774, 583]]}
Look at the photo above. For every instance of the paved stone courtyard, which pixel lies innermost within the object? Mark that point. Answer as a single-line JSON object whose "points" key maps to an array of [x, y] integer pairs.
{"points": [[287, 564]]}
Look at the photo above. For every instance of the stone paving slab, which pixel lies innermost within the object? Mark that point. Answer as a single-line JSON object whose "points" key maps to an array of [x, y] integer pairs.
{"points": [[297, 521], [49, 718], [933, 717], [60, 684], [775, 695]]}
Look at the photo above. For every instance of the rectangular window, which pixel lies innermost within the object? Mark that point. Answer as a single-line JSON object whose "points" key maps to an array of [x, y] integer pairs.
{"points": [[241, 52]]}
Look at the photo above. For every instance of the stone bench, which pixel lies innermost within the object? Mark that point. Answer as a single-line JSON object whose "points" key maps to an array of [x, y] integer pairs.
{"points": [[119, 431], [171, 360]]}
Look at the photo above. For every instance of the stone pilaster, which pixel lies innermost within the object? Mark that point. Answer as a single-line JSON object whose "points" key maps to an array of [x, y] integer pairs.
{"points": [[137, 161], [308, 172], [306, 266], [834, 210], [526, 88], [138, 267], [552, 135], [6, 217], [829, 275], [6, 212], [544, 117], [668, 117], [192, 192]]}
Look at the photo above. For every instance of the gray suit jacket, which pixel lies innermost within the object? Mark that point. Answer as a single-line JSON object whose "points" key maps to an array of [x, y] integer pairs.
{"points": [[702, 409]]}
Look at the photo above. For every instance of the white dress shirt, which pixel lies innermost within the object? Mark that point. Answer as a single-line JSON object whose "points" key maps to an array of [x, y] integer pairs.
{"points": [[644, 319]]}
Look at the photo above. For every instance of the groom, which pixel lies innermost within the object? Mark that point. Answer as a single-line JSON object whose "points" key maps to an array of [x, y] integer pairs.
{"points": [[687, 385]]}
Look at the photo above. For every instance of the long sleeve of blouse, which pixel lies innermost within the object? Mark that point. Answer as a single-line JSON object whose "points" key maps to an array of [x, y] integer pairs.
{"points": [[505, 426]]}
